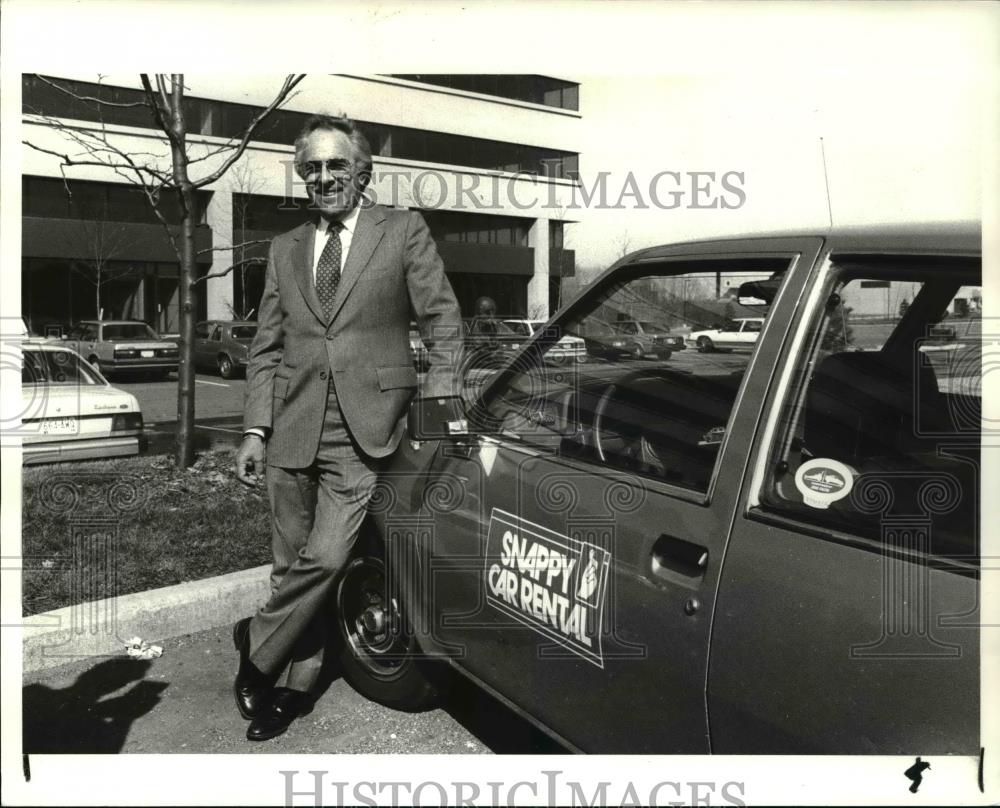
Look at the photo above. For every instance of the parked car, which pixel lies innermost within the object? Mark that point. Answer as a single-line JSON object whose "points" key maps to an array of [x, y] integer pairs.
{"points": [[632, 339], [113, 346], [223, 345], [648, 338], [735, 335], [757, 553], [70, 412], [568, 348]]}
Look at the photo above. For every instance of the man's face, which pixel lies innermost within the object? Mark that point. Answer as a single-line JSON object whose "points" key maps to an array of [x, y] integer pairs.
{"points": [[326, 164]]}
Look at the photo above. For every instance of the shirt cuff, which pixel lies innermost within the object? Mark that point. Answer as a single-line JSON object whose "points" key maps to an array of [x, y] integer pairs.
{"points": [[256, 430]]}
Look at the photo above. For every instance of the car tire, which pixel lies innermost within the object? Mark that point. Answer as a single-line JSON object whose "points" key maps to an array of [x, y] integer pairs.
{"points": [[378, 666], [226, 368], [705, 345], [664, 353]]}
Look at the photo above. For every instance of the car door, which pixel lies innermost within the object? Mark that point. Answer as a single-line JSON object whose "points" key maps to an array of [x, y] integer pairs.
{"points": [[201, 346], [848, 607], [576, 562]]}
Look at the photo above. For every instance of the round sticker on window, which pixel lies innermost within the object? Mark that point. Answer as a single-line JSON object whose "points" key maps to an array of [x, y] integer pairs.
{"points": [[822, 481]]}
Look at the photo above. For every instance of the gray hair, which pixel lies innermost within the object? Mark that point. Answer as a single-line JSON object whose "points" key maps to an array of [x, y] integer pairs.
{"points": [[331, 123]]}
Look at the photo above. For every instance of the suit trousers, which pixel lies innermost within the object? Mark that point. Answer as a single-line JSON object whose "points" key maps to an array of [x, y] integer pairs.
{"points": [[316, 514]]}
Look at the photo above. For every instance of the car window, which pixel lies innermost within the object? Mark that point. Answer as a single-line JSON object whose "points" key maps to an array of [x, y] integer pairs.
{"points": [[752, 325], [56, 368], [128, 331], [245, 331], [216, 334], [201, 330], [880, 432], [660, 414]]}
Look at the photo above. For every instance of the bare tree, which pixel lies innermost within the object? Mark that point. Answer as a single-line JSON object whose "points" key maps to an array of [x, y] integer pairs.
{"points": [[106, 241], [246, 183], [173, 171], [623, 244]]}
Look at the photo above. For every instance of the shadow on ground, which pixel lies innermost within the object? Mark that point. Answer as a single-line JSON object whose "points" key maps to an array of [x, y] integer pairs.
{"points": [[88, 716]]}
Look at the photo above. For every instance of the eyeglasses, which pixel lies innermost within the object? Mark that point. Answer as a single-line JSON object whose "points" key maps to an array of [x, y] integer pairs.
{"points": [[335, 169]]}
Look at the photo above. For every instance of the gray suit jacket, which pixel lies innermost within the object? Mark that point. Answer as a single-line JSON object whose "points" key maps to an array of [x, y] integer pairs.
{"points": [[392, 274]]}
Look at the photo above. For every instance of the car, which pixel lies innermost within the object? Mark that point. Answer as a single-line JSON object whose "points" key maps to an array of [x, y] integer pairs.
{"points": [[647, 338], [738, 334], [223, 345], [70, 412], [767, 552], [568, 348], [115, 346]]}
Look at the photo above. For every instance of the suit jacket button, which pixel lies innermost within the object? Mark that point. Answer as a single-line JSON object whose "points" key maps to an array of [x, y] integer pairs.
{"points": [[322, 374], [329, 336]]}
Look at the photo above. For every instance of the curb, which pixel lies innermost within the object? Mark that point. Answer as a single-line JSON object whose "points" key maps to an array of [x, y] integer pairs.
{"points": [[101, 628]]}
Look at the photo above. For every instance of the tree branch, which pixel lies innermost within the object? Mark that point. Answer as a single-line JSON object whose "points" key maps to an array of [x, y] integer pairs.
{"points": [[291, 81], [223, 272], [241, 245]]}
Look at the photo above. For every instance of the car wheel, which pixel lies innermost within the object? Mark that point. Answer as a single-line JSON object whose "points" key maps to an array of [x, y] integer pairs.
{"points": [[664, 353], [226, 367], [379, 654], [636, 351], [705, 345]]}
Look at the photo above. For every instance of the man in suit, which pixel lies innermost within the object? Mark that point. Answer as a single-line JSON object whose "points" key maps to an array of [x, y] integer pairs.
{"points": [[328, 383]]}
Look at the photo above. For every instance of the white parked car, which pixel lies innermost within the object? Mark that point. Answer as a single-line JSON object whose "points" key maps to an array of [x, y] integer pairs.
{"points": [[567, 349], [740, 333], [70, 412]]}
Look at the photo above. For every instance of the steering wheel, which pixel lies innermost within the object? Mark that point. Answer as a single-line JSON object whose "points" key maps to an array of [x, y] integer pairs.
{"points": [[646, 452]]}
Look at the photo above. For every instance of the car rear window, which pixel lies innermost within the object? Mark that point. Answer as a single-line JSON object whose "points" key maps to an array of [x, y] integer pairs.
{"points": [[128, 331], [56, 368], [244, 331]]}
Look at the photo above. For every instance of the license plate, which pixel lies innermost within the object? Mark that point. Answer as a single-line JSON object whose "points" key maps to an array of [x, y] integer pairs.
{"points": [[60, 426], [146, 354]]}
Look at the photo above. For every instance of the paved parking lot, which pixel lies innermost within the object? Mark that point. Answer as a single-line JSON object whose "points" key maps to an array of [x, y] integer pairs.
{"points": [[183, 702]]}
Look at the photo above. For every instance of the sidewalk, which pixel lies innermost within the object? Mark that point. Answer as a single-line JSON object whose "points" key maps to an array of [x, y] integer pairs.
{"points": [[183, 702]]}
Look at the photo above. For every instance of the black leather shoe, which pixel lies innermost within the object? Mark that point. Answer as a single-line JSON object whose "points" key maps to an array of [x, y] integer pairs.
{"points": [[285, 707], [252, 688]]}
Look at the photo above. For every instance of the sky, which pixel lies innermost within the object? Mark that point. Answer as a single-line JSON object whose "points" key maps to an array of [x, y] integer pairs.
{"points": [[898, 147]]}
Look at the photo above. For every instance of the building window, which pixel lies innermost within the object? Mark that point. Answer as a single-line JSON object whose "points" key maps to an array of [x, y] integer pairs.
{"points": [[519, 87], [49, 197]]}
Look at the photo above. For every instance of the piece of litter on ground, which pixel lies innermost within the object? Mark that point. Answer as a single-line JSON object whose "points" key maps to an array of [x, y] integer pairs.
{"points": [[392, 735], [138, 649], [470, 745]]}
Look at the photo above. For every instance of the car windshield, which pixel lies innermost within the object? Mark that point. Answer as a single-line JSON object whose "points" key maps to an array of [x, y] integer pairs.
{"points": [[128, 331], [653, 328], [244, 331], [56, 367]]}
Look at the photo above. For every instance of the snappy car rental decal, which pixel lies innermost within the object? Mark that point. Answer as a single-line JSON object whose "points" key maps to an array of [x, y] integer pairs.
{"points": [[553, 583]]}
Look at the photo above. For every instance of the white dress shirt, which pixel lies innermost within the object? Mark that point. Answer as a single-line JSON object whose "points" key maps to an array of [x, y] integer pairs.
{"points": [[349, 222]]}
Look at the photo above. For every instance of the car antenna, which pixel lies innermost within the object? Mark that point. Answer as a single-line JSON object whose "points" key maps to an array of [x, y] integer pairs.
{"points": [[826, 181]]}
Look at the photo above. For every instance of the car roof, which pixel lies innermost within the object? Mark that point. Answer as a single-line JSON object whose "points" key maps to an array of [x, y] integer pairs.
{"points": [[113, 322], [228, 322], [43, 344], [902, 238]]}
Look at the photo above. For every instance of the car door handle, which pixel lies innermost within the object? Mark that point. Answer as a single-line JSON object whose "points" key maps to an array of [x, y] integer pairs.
{"points": [[672, 557]]}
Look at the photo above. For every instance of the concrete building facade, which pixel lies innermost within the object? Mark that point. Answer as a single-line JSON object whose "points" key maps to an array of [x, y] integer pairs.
{"points": [[490, 161]]}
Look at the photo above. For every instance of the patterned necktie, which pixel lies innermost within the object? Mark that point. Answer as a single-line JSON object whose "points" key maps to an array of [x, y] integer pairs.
{"points": [[328, 269]]}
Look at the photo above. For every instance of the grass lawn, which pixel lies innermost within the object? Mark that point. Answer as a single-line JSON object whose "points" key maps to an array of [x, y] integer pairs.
{"points": [[177, 526]]}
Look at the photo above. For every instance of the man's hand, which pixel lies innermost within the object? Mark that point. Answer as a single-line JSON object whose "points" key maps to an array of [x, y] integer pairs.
{"points": [[250, 460]]}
